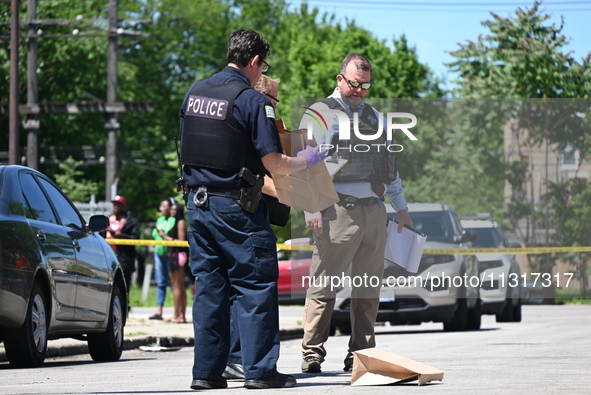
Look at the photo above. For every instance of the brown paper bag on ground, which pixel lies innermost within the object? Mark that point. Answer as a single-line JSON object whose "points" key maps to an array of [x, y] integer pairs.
{"points": [[376, 367], [310, 190]]}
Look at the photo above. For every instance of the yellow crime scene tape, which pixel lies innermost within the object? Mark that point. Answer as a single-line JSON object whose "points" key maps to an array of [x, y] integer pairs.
{"points": [[459, 251], [127, 242]]}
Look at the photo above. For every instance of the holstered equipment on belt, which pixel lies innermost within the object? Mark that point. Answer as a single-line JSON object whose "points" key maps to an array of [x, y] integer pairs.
{"points": [[250, 197]]}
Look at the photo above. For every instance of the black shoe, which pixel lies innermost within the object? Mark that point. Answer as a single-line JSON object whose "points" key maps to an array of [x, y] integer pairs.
{"points": [[348, 364], [311, 364], [209, 384], [233, 371], [278, 380]]}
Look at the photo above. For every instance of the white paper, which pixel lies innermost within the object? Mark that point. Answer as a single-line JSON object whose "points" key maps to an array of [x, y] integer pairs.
{"points": [[333, 166], [404, 249]]}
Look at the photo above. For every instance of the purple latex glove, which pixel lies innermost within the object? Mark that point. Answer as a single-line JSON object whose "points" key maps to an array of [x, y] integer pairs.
{"points": [[312, 155]]}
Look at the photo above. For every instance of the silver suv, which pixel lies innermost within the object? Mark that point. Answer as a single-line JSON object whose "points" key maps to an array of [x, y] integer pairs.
{"points": [[499, 273], [444, 289]]}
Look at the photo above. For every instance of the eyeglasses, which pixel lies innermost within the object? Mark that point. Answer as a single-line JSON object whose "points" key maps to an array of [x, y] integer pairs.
{"points": [[276, 100], [266, 67], [356, 84]]}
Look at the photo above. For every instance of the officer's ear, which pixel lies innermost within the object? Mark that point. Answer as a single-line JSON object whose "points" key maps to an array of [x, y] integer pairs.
{"points": [[255, 62]]}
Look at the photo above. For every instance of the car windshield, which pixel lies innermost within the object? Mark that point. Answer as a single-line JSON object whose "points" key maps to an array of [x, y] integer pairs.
{"points": [[432, 223], [487, 238]]}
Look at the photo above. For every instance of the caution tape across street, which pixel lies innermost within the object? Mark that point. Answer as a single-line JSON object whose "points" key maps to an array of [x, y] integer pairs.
{"points": [[136, 242], [469, 251], [458, 251]]}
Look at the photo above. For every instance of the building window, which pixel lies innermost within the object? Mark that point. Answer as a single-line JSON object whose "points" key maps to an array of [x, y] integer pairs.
{"points": [[569, 158]]}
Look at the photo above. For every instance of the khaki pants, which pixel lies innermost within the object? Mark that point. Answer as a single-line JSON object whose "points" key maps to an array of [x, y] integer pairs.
{"points": [[353, 238]]}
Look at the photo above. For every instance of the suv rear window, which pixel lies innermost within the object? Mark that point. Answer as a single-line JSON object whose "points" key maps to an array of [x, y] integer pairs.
{"points": [[487, 238]]}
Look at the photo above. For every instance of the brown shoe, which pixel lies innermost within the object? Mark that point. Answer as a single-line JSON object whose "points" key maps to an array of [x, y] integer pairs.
{"points": [[311, 364]]}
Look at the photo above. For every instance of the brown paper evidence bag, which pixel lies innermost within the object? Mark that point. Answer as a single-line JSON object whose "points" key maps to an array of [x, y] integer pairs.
{"points": [[311, 189], [376, 367]]}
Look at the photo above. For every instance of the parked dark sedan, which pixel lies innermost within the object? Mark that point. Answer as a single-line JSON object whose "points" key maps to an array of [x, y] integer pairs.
{"points": [[58, 277]]}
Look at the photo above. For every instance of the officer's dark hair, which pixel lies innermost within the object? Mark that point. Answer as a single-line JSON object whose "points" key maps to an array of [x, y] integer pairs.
{"points": [[360, 61], [244, 45]]}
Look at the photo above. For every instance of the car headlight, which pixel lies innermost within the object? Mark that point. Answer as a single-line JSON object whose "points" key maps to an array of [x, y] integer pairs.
{"points": [[436, 284], [482, 266], [430, 260]]}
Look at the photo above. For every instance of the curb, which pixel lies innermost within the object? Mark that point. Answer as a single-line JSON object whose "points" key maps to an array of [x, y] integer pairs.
{"points": [[75, 347]]}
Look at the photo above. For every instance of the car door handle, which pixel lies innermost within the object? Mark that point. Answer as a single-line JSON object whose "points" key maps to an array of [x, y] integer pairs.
{"points": [[76, 245], [42, 238]]}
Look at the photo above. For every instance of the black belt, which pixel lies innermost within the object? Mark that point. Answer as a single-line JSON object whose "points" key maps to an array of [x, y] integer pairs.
{"points": [[349, 201], [224, 192]]}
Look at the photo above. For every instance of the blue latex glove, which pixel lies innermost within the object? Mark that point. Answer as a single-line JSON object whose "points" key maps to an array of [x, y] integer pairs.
{"points": [[312, 155]]}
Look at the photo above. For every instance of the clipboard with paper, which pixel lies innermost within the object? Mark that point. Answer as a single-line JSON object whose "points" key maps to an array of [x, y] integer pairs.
{"points": [[406, 248]]}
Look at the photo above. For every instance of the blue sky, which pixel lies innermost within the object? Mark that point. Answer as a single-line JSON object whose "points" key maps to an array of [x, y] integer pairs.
{"points": [[435, 27]]}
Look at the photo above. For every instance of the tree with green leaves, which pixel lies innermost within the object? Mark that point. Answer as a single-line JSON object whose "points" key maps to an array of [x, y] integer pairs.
{"points": [[186, 41], [525, 57], [72, 184]]}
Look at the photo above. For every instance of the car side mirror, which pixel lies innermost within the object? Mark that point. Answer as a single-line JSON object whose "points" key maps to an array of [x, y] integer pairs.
{"points": [[98, 223], [466, 236]]}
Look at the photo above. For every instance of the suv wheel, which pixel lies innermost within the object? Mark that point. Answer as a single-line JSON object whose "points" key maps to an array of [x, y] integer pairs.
{"points": [[459, 321], [517, 311], [474, 317], [512, 310]]}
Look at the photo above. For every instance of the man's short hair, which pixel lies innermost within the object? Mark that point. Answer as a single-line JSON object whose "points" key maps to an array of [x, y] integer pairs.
{"points": [[265, 83], [360, 61], [244, 45]]}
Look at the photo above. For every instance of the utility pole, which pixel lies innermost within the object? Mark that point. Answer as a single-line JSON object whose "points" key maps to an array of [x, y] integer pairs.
{"points": [[31, 124], [13, 144], [33, 110], [111, 123]]}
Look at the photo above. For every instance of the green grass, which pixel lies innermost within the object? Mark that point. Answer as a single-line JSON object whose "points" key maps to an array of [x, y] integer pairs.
{"points": [[571, 296], [135, 297], [136, 334]]}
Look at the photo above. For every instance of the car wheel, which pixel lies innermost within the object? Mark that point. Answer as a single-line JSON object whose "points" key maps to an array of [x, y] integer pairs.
{"points": [[108, 346], [511, 311], [474, 317], [459, 321], [517, 311], [332, 331], [345, 328], [26, 346]]}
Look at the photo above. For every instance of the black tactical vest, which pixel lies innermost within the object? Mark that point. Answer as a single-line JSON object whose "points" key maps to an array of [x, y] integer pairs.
{"points": [[362, 165], [211, 137]]}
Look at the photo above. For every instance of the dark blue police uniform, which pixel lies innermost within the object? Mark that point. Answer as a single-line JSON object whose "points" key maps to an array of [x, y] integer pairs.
{"points": [[233, 252]]}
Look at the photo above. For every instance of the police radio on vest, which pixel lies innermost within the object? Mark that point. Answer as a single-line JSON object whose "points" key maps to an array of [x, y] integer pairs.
{"points": [[207, 107]]}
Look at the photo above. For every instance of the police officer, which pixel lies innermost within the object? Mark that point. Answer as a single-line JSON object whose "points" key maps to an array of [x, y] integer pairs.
{"points": [[229, 141]]}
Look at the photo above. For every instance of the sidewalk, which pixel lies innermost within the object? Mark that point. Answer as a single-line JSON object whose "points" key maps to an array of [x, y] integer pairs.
{"points": [[142, 331]]}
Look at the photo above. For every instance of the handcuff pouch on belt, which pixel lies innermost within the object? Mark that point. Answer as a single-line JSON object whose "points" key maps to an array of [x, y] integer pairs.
{"points": [[248, 198]]}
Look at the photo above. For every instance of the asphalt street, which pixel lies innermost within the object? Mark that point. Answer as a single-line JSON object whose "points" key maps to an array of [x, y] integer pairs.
{"points": [[548, 352]]}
